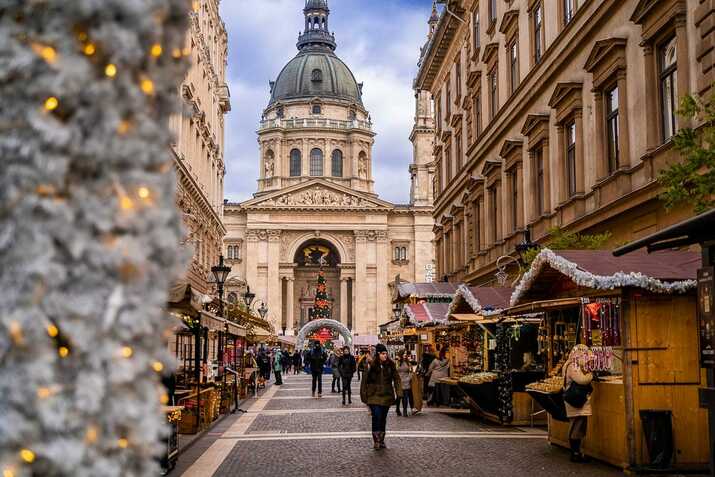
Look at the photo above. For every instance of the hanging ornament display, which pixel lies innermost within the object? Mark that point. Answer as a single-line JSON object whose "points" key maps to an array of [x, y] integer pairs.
{"points": [[503, 369]]}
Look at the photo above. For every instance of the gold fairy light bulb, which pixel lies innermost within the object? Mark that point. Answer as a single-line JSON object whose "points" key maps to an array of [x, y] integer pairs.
{"points": [[89, 49], [176, 53], [51, 103], [27, 455], [156, 50], [158, 366], [126, 203], [44, 393], [186, 51], [46, 52], [8, 472], [110, 70], [124, 126], [164, 399], [123, 443], [63, 351], [143, 192], [52, 331], [127, 352], [91, 435], [16, 332], [147, 86]]}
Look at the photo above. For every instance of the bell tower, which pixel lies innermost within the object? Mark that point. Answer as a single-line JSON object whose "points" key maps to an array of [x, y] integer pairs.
{"points": [[422, 138], [316, 35]]}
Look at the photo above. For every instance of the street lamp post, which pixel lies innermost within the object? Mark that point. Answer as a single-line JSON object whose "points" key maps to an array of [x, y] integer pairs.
{"points": [[220, 273]]}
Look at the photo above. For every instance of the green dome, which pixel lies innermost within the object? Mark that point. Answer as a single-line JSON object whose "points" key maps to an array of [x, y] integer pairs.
{"points": [[316, 74]]}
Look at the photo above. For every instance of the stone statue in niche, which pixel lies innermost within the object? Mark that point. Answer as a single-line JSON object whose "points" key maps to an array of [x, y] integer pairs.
{"points": [[270, 166], [362, 167]]}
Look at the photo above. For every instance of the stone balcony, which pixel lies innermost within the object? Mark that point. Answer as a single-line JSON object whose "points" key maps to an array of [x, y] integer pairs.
{"points": [[315, 123]]}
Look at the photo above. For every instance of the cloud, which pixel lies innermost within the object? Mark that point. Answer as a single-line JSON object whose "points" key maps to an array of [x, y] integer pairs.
{"points": [[378, 39]]}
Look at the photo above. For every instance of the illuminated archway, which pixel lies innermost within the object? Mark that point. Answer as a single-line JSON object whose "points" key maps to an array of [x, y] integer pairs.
{"points": [[315, 325]]}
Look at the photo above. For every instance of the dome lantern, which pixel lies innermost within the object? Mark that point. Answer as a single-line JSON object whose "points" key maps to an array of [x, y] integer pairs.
{"points": [[317, 34]]}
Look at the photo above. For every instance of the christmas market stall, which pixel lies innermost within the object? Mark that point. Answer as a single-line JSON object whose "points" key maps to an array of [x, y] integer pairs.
{"points": [[637, 315], [494, 357], [424, 327]]}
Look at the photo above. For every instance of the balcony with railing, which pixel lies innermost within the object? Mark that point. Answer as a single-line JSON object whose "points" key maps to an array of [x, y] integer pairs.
{"points": [[314, 123]]}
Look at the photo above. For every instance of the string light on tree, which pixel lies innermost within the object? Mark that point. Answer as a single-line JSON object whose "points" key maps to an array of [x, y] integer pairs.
{"points": [[156, 50], [110, 70], [27, 455], [51, 103]]}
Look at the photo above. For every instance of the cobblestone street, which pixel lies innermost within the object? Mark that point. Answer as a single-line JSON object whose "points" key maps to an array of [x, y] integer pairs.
{"points": [[286, 432]]}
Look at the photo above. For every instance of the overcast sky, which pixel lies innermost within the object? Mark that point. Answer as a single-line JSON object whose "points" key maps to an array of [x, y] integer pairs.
{"points": [[378, 39]]}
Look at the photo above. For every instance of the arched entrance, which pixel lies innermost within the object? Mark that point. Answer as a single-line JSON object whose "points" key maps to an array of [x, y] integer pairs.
{"points": [[315, 325], [310, 257]]}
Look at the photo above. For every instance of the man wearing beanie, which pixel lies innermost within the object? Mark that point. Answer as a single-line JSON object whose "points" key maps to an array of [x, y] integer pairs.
{"points": [[379, 389]]}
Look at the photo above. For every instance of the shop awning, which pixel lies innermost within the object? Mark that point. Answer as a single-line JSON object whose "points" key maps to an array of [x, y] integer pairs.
{"points": [[466, 317], [478, 299], [543, 305], [435, 290]]}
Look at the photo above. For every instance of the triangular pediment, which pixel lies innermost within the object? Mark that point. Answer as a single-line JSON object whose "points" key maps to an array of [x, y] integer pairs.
{"points": [[317, 194]]}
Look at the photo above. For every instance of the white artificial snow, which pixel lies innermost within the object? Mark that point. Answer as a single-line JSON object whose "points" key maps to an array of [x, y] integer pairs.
{"points": [[586, 279], [70, 255]]}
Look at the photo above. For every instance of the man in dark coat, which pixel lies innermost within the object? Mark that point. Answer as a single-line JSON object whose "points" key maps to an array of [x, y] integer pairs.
{"points": [[297, 362], [317, 360], [347, 367]]}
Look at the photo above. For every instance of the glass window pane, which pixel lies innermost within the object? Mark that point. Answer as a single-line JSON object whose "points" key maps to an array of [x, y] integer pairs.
{"points": [[316, 162], [295, 163], [668, 55], [337, 163], [612, 100]]}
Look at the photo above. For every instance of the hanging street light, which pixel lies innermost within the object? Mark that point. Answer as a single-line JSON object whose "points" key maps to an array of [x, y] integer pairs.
{"points": [[263, 310], [248, 297]]}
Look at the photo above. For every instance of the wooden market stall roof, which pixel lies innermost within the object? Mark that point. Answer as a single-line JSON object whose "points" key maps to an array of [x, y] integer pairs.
{"points": [[422, 314], [660, 272], [478, 300], [425, 291]]}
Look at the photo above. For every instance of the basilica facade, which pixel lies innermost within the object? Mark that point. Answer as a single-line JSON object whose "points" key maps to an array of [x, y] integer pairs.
{"points": [[315, 205]]}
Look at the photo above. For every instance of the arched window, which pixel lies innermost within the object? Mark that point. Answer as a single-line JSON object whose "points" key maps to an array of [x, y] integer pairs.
{"points": [[337, 163], [317, 109], [316, 75], [295, 163], [397, 253], [230, 252], [232, 298], [316, 162], [403, 253]]}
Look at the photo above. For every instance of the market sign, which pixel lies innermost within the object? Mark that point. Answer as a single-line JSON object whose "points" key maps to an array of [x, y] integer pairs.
{"points": [[706, 316]]}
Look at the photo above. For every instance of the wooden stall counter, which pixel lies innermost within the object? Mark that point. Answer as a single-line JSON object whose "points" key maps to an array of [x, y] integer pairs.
{"points": [[605, 439]]}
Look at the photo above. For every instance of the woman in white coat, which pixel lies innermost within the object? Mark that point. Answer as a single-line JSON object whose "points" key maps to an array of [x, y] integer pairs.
{"points": [[575, 371]]}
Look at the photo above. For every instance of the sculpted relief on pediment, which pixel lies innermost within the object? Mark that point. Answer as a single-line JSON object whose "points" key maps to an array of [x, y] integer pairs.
{"points": [[319, 197]]}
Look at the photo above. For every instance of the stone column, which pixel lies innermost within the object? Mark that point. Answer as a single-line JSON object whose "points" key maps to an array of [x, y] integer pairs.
{"points": [[251, 258], [274, 292], [360, 302], [344, 301], [290, 305], [580, 160], [546, 157], [383, 298]]}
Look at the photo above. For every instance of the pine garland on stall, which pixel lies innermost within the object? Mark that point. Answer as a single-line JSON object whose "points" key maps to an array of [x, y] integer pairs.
{"points": [[89, 232], [503, 368]]}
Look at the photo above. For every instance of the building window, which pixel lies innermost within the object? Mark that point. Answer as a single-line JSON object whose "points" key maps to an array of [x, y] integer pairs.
{"points": [[540, 189], [438, 115], [612, 128], [448, 94], [569, 7], [478, 227], [337, 163], [668, 69], [478, 113], [317, 109], [514, 66], [458, 151], [514, 178], [493, 212], [492, 11], [493, 92], [316, 76], [448, 161], [295, 163], [316, 162], [538, 32], [571, 157], [400, 254], [476, 40], [232, 298]]}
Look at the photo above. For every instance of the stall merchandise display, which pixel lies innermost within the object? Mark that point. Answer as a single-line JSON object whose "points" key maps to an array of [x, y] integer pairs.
{"points": [[479, 378], [553, 384], [503, 367], [467, 348], [600, 321]]}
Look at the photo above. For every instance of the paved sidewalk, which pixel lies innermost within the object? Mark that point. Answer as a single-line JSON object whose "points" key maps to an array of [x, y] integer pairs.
{"points": [[286, 432]]}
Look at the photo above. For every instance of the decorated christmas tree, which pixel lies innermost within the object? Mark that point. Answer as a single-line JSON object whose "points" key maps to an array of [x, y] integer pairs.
{"points": [[321, 307], [89, 233]]}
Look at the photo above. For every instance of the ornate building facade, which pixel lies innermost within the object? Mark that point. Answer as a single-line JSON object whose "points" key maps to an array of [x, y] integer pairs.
{"points": [[316, 201], [199, 145], [556, 114]]}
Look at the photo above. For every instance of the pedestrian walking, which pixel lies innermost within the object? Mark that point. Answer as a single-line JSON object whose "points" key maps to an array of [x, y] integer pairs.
{"points": [[264, 365], [297, 362], [317, 360], [278, 367], [347, 366], [333, 363], [427, 358], [577, 398], [404, 368], [286, 361], [439, 368], [306, 360], [361, 364], [379, 388]]}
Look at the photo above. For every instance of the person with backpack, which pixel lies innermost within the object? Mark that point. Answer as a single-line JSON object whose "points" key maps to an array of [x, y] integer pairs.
{"points": [[317, 360], [378, 389], [577, 398], [347, 367]]}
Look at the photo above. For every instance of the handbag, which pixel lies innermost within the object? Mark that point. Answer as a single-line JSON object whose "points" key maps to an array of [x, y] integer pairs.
{"points": [[577, 394]]}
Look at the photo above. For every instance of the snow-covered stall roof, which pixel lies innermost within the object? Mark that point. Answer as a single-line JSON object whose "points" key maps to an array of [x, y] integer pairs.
{"points": [[660, 272], [480, 299], [421, 314], [440, 290]]}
